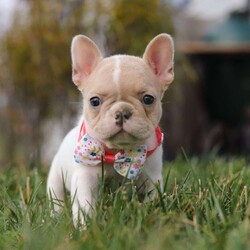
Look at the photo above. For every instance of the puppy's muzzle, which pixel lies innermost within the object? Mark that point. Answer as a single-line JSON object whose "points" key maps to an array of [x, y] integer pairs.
{"points": [[121, 117]]}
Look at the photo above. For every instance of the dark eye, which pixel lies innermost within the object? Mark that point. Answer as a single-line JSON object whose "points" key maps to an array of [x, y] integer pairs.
{"points": [[95, 101], [148, 99]]}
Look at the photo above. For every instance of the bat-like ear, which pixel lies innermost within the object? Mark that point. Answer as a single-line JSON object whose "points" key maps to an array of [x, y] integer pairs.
{"points": [[159, 55], [85, 57]]}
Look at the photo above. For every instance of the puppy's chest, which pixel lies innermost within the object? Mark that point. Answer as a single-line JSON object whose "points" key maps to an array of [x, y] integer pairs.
{"points": [[114, 181]]}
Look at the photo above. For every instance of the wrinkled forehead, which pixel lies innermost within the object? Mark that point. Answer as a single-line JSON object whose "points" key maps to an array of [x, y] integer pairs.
{"points": [[124, 73]]}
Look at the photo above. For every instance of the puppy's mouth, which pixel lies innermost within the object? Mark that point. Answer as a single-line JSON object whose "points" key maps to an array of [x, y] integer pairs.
{"points": [[121, 140]]}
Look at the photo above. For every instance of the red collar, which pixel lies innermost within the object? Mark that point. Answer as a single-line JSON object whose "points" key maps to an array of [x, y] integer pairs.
{"points": [[110, 157]]}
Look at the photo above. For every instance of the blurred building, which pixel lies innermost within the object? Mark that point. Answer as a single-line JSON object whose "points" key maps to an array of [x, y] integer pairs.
{"points": [[214, 112]]}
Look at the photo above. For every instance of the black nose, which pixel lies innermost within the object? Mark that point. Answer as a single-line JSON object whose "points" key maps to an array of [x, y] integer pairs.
{"points": [[122, 116]]}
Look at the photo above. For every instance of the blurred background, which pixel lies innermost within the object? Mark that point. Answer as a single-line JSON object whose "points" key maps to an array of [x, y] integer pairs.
{"points": [[206, 110]]}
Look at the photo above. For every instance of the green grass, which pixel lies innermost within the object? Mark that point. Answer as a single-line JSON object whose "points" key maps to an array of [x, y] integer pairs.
{"points": [[205, 205]]}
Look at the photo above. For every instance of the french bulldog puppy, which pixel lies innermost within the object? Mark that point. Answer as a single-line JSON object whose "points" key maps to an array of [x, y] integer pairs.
{"points": [[118, 133]]}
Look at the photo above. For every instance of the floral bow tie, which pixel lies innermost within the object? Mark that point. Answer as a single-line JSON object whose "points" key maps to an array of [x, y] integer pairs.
{"points": [[127, 162]]}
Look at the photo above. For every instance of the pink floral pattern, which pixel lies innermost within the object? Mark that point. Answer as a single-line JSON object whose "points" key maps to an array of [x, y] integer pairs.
{"points": [[130, 162], [88, 151]]}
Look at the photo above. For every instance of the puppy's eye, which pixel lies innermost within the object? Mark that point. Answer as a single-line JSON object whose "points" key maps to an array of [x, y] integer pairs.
{"points": [[95, 101], [148, 99]]}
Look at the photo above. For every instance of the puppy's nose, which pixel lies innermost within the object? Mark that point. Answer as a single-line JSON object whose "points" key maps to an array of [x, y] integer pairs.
{"points": [[122, 116]]}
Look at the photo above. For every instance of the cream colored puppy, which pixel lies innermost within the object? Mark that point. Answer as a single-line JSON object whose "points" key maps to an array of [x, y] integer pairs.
{"points": [[121, 112]]}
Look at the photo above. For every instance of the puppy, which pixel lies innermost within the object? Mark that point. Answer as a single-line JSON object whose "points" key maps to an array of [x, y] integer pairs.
{"points": [[119, 127]]}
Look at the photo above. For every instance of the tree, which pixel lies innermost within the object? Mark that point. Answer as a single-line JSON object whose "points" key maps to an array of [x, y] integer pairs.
{"points": [[134, 23], [36, 75]]}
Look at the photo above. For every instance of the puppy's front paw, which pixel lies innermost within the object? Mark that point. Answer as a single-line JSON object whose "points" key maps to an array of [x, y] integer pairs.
{"points": [[79, 217], [56, 206]]}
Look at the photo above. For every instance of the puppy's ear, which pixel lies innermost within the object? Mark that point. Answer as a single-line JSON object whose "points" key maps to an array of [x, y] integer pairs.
{"points": [[85, 57], [159, 55]]}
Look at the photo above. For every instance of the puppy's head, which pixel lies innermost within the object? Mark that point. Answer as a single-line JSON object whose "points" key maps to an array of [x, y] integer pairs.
{"points": [[122, 94]]}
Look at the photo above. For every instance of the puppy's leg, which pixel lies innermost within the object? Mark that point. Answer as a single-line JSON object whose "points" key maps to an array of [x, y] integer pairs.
{"points": [[84, 191], [153, 174], [61, 170], [55, 189]]}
